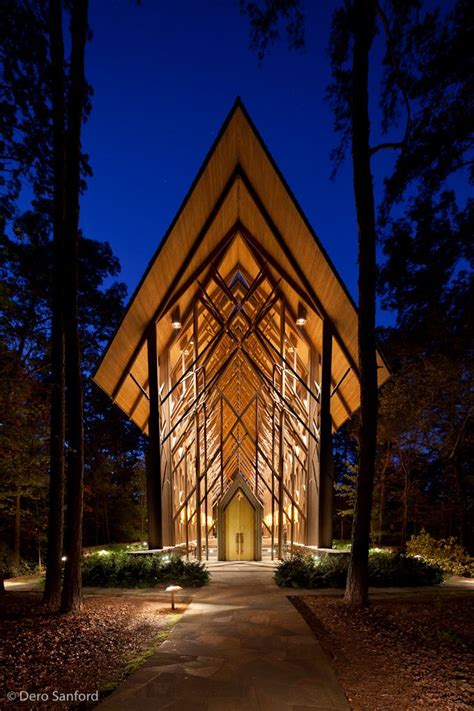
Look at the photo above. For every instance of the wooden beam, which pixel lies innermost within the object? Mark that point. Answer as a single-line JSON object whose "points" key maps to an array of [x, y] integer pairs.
{"points": [[197, 453], [206, 474], [284, 401], [255, 247], [309, 295], [212, 256], [166, 458], [325, 503], [281, 453], [208, 385], [182, 269], [153, 469], [312, 463], [256, 445]]}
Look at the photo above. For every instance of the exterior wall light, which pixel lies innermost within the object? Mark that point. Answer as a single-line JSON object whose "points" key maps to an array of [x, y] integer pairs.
{"points": [[176, 319], [301, 316]]}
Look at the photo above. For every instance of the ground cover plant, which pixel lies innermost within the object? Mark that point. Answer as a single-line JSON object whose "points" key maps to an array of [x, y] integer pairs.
{"points": [[123, 570], [330, 571]]}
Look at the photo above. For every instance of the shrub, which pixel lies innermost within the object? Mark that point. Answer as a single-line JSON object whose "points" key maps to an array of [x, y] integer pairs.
{"points": [[122, 570], [447, 553], [295, 572], [9, 567], [398, 570], [6, 566], [330, 570], [308, 571]]}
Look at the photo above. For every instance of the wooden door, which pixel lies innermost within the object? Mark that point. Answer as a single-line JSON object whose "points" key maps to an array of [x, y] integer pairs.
{"points": [[240, 528]]}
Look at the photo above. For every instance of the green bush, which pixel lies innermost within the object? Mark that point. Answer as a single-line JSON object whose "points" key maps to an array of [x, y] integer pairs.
{"points": [[398, 570], [330, 571], [447, 553], [341, 545], [295, 572], [9, 568], [122, 570], [308, 571]]}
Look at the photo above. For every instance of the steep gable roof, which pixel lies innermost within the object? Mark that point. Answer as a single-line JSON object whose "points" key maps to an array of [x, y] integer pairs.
{"points": [[240, 207]]}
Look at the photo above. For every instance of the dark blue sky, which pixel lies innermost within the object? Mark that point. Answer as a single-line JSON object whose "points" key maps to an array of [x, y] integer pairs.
{"points": [[165, 74]]}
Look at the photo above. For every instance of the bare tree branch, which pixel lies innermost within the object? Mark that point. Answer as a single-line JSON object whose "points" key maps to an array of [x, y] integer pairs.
{"points": [[394, 145]]}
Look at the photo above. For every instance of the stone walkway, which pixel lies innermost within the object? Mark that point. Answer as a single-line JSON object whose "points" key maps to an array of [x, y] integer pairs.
{"points": [[240, 646]]}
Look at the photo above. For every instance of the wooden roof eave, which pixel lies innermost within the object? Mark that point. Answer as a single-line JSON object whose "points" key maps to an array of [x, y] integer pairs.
{"points": [[182, 281]]}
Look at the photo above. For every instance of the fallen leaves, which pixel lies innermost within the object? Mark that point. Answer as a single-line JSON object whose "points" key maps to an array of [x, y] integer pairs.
{"points": [[82, 651], [404, 653]]}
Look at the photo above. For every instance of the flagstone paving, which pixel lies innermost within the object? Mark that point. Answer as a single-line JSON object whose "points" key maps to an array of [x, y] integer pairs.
{"points": [[240, 646]]}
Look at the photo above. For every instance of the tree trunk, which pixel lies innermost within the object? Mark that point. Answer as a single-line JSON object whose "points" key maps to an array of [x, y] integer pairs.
{"points": [[381, 503], [105, 509], [72, 587], [52, 590], [17, 532], [364, 26], [458, 478], [406, 495], [97, 520], [460, 499]]}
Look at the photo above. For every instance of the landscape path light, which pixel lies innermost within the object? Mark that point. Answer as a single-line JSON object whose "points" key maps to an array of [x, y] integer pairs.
{"points": [[173, 589]]}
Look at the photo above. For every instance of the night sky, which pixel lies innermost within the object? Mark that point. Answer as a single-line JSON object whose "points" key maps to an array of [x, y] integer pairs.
{"points": [[165, 75]]}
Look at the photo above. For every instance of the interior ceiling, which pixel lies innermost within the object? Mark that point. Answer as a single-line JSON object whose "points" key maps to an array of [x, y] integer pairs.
{"points": [[239, 215]]}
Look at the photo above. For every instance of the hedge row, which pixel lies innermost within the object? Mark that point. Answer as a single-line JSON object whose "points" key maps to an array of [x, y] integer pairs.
{"points": [[330, 571], [122, 570]]}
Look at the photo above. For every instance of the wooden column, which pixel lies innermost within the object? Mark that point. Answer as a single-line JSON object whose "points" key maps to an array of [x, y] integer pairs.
{"points": [[166, 457], [153, 460], [325, 503], [206, 493], [197, 453], [186, 508], [312, 474], [221, 442], [256, 446], [273, 472], [292, 489], [281, 459]]}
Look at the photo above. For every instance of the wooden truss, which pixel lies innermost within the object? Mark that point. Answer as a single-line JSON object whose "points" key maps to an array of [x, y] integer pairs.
{"points": [[240, 390], [210, 362]]}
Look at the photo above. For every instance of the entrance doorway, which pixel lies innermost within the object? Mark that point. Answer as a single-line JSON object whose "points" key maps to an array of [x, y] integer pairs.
{"points": [[239, 528], [239, 523]]}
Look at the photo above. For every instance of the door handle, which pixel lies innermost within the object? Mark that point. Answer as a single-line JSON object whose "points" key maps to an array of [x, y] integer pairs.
{"points": [[239, 541]]}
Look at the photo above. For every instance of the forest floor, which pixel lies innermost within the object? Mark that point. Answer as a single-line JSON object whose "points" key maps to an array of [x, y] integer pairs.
{"points": [[410, 651], [406, 652], [86, 652]]}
